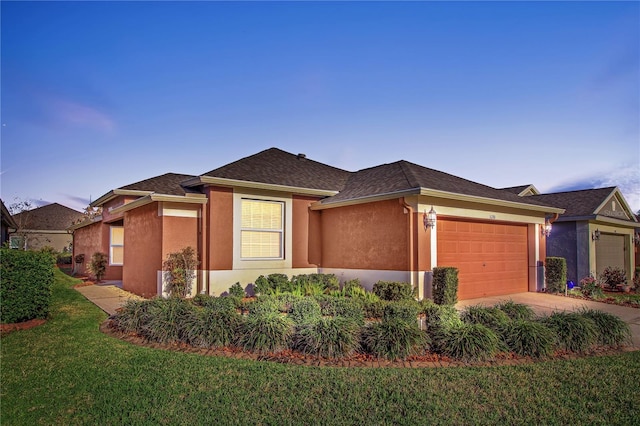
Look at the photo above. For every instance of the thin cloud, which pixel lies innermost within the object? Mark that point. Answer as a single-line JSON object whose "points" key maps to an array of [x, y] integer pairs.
{"points": [[76, 114]]}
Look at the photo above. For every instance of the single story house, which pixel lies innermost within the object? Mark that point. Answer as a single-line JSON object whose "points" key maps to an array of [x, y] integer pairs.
{"points": [[44, 226], [8, 223], [597, 230], [277, 212]]}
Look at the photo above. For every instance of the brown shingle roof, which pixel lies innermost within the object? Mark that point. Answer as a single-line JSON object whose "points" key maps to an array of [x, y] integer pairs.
{"points": [[403, 176], [7, 219], [168, 183], [52, 217], [515, 189], [577, 203], [274, 166]]}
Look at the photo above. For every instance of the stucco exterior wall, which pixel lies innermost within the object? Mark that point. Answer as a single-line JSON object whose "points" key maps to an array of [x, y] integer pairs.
{"points": [[562, 243], [142, 250], [306, 233], [219, 238], [57, 240], [89, 240], [365, 236]]}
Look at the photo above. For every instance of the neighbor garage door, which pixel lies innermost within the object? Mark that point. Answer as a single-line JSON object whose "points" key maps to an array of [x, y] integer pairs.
{"points": [[491, 258], [610, 252]]}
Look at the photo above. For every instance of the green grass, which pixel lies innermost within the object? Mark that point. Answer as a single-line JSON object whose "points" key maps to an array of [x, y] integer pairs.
{"points": [[67, 372]]}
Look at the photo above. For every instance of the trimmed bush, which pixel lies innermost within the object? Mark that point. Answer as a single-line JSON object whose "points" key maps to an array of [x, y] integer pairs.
{"points": [[394, 339], [25, 287], [490, 317], [445, 285], [236, 290], [343, 307], [574, 332], [555, 274], [168, 319], [405, 310], [516, 311], [374, 309], [611, 330], [469, 342], [265, 332], [328, 337], [529, 338], [272, 284], [393, 290], [304, 310]]}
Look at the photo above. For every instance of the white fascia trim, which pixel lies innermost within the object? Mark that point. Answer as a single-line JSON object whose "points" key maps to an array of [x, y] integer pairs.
{"points": [[318, 205], [491, 201], [116, 193], [618, 195], [86, 222], [208, 180], [600, 219], [158, 197]]}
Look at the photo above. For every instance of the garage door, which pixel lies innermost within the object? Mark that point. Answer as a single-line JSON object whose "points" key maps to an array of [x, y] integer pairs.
{"points": [[610, 252], [492, 258]]}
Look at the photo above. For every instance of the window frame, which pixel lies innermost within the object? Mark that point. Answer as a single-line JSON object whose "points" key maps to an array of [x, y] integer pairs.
{"points": [[112, 245], [280, 231]]}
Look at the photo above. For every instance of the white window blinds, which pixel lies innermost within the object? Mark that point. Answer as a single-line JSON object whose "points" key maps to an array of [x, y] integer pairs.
{"points": [[261, 233]]}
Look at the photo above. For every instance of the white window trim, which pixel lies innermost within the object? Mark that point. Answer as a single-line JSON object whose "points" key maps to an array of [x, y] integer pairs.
{"points": [[19, 238], [111, 246], [286, 238]]}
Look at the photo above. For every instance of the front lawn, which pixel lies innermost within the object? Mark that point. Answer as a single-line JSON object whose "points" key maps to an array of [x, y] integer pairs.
{"points": [[67, 372]]}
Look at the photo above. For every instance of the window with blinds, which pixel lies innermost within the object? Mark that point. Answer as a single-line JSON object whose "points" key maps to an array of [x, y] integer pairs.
{"points": [[262, 229], [116, 246]]}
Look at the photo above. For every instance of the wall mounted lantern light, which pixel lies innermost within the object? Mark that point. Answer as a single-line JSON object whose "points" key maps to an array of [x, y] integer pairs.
{"points": [[429, 219], [596, 235], [546, 229]]}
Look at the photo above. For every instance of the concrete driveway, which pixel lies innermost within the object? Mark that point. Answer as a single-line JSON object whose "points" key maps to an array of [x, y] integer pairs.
{"points": [[544, 304]]}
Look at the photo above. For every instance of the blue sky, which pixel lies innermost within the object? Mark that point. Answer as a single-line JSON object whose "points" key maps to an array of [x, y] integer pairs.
{"points": [[97, 95]]}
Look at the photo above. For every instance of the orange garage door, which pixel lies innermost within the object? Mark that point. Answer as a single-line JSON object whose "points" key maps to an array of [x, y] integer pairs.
{"points": [[491, 258]]}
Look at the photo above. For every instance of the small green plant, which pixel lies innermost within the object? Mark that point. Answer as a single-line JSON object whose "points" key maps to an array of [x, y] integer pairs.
{"points": [[394, 339], [469, 342], [490, 317], [574, 332], [343, 307], [265, 332], [272, 284], [613, 277], [264, 305], [374, 309], [98, 265], [328, 337], [168, 319], [529, 338], [393, 290], [445, 285], [611, 330], [236, 290], [516, 311], [440, 318], [180, 271], [555, 274], [305, 310], [405, 310], [590, 287]]}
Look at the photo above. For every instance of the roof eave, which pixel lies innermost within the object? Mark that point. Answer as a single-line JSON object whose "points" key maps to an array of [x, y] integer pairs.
{"points": [[210, 180], [116, 193], [84, 223], [151, 198], [328, 204], [600, 219]]}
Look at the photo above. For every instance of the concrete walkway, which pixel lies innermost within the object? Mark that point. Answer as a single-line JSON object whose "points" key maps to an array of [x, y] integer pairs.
{"points": [[108, 295], [544, 304]]}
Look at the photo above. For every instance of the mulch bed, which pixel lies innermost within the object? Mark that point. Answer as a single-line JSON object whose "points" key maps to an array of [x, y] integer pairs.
{"points": [[26, 325], [358, 360]]}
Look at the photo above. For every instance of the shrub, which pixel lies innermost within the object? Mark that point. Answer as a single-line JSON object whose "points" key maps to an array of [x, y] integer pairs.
{"points": [[133, 316], [393, 290], [574, 332], [529, 338], [64, 258], [212, 327], [441, 318], [374, 309], [405, 310], [394, 339], [25, 286], [98, 265], [445, 285], [206, 301], [353, 288], [590, 287], [490, 317], [305, 310], [516, 311], [469, 342], [168, 319], [180, 271], [328, 337], [555, 274], [272, 284], [264, 305], [265, 332], [343, 307], [236, 290], [611, 330], [613, 277]]}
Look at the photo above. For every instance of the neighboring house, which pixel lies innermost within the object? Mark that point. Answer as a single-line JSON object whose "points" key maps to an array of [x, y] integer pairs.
{"points": [[596, 230], [279, 212], [8, 224], [44, 226]]}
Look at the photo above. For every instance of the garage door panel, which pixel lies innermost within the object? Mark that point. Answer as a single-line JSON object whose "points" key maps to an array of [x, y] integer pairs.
{"points": [[492, 259]]}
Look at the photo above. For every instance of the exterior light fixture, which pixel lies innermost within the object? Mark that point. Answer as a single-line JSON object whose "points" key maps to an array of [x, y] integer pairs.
{"points": [[429, 219], [546, 229], [596, 235]]}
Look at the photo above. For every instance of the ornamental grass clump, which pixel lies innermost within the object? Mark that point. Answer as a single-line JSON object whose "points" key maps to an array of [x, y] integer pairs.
{"points": [[406, 310], [516, 311], [332, 337], [212, 327], [374, 309], [343, 307], [440, 318], [469, 342], [574, 332], [264, 305], [611, 330], [305, 310], [394, 339], [133, 316], [490, 317], [168, 319], [529, 338], [265, 332]]}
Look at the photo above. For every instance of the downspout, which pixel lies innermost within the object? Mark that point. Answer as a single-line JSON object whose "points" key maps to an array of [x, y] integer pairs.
{"points": [[204, 242], [410, 246]]}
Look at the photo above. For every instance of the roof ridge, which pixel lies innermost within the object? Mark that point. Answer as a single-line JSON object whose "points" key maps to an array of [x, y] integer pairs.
{"points": [[408, 173], [610, 188]]}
